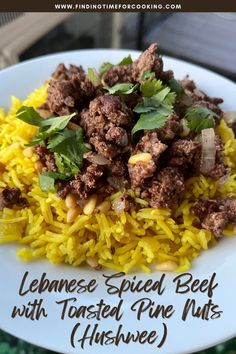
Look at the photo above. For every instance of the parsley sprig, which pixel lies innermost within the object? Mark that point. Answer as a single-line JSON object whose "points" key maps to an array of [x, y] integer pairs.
{"points": [[67, 145], [156, 106], [199, 118]]}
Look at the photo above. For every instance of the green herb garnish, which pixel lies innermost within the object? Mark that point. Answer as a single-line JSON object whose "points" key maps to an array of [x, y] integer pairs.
{"points": [[104, 68], [199, 118], [93, 76], [156, 106], [70, 146], [151, 87], [121, 89], [67, 145], [126, 61], [151, 120], [107, 66], [148, 74], [46, 182], [47, 127], [176, 87]]}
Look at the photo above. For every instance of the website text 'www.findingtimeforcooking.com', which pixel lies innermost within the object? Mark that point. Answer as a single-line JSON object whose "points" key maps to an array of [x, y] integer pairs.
{"points": [[117, 7]]}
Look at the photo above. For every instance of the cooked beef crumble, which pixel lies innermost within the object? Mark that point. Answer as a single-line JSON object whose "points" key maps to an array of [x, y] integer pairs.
{"points": [[155, 161], [215, 214], [12, 196], [166, 188]]}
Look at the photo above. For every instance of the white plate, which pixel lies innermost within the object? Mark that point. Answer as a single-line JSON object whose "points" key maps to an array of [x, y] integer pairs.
{"points": [[53, 333]]}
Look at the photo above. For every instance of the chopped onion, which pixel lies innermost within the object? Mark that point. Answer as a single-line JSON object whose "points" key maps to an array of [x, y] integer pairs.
{"points": [[222, 180], [208, 151], [97, 159], [229, 117], [119, 205]]}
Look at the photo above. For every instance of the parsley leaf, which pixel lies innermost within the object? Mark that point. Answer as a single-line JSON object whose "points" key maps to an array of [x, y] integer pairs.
{"points": [[151, 87], [66, 167], [93, 76], [176, 87], [30, 115], [148, 74], [156, 106], [47, 127], [199, 118], [104, 68], [151, 120], [107, 66], [70, 146], [126, 61], [46, 182], [163, 101], [121, 89]]}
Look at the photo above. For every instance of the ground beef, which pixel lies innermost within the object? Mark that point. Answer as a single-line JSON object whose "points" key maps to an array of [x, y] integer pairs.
{"points": [[132, 100], [105, 112], [216, 214], [109, 151], [117, 167], [139, 172], [63, 188], [196, 98], [68, 90], [188, 84], [63, 73], [182, 152], [118, 74], [215, 222], [12, 196], [171, 128], [117, 135], [87, 182], [91, 176], [148, 60], [117, 173], [206, 206], [151, 144], [104, 124], [46, 157], [165, 188], [220, 168]]}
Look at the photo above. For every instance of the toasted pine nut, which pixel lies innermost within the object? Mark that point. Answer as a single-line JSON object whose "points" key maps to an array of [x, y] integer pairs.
{"points": [[141, 157], [92, 262], [2, 167], [90, 205], [168, 266], [71, 201], [72, 214], [38, 166], [104, 207], [28, 152]]}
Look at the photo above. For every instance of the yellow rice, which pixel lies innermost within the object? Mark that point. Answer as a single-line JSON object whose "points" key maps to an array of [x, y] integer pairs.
{"points": [[130, 240]]}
